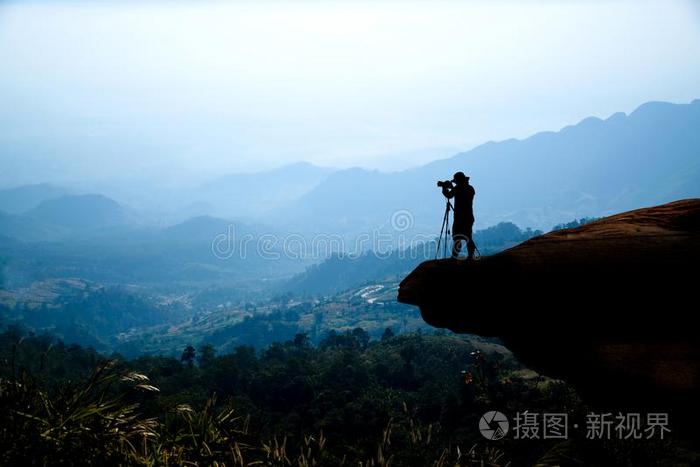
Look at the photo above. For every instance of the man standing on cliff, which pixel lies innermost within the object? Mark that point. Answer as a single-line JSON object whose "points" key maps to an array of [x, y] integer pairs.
{"points": [[463, 194]]}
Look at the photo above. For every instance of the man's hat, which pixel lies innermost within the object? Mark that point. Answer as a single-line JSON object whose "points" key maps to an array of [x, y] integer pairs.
{"points": [[459, 177]]}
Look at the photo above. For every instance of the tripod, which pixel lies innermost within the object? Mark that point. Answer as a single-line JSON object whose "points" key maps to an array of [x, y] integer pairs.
{"points": [[444, 230]]}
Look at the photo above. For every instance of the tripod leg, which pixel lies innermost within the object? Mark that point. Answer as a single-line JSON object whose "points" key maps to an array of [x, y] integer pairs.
{"points": [[444, 230], [447, 229], [437, 249]]}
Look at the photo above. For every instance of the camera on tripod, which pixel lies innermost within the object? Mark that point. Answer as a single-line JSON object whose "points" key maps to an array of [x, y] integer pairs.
{"points": [[445, 229]]}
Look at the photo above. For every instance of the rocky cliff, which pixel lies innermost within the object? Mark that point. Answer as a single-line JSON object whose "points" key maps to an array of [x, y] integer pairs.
{"points": [[610, 307]]}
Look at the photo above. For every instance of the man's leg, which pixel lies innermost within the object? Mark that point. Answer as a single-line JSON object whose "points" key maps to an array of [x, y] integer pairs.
{"points": [[457, 244], [471, 246]]}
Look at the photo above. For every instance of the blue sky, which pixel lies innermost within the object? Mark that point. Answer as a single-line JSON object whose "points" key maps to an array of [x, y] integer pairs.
{"points": [[132, 90]]}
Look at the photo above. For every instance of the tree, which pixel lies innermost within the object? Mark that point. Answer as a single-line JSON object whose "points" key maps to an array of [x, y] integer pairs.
{"points": [[361, 337], [301, 340], [206, 355], [188, 356], [388, 334]]}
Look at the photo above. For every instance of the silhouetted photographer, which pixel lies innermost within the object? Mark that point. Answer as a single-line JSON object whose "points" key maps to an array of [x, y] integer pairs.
{"points": [[463, 194]]}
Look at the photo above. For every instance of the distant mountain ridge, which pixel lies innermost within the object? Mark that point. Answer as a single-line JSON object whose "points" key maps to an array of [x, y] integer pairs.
{"points": [[253, 194], [590, 169], [28, 229], [81, 212], [64, 216], [24, 198]]}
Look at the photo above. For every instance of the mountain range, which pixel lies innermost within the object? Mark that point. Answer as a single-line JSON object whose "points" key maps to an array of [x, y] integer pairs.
{"points": [[590, 169]]}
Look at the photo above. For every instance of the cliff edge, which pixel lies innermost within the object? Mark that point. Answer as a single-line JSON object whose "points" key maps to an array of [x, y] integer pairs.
{"points": [[610, 307]]}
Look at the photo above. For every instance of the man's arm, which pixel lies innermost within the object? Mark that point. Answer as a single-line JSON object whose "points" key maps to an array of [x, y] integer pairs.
{"points": [[447, 192]]}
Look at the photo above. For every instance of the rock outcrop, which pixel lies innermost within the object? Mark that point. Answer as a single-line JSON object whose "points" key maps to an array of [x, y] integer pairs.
{"points": [[610, 307]]}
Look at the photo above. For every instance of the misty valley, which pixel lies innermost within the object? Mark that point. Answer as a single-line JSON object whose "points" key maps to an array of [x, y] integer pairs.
{"points": [[158, 290]]}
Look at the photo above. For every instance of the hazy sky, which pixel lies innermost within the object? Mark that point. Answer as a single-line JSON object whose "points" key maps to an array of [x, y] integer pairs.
{"points": [[134, 89]]}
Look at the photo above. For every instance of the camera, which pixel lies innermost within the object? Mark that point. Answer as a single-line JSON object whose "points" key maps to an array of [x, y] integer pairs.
{"points": [[445, 184]]}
